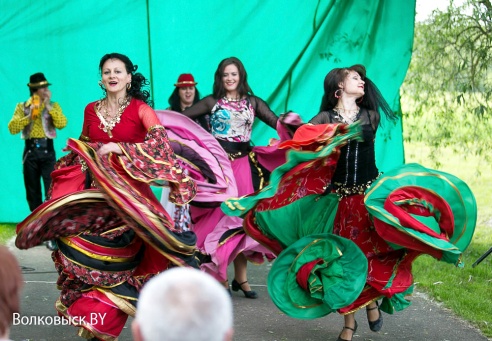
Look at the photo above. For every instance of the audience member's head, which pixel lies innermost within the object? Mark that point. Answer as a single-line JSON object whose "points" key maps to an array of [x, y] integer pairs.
{"points": [[183, 304], [10, 288]]}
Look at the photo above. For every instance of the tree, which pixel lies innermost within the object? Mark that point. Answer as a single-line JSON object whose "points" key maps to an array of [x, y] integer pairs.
{"points": [[446, 96]]}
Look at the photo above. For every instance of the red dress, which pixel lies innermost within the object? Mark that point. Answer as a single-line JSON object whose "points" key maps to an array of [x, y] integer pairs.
{"points": [[113, 235]]}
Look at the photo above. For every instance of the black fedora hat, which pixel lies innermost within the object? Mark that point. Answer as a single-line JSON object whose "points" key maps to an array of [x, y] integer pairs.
{"points": [[38, 80]]}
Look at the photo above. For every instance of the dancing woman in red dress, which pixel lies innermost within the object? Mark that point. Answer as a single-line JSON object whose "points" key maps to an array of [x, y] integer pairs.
{"points": [[345, 235], [350, 97], [113, 235]]}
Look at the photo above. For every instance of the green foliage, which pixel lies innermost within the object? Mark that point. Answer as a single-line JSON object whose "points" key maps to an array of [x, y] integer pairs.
{"points": [[7, 232], [448, 87], [466, 291]]}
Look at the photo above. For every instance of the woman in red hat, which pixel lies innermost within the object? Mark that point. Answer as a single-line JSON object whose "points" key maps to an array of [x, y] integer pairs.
{"points": [[233, 109], [186, 94]]}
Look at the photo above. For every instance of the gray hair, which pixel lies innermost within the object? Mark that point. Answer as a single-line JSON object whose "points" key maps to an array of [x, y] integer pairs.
{"points": [[184, 304]]}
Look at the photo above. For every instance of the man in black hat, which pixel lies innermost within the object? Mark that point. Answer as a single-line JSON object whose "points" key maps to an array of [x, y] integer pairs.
{"points": [[37, 120]]}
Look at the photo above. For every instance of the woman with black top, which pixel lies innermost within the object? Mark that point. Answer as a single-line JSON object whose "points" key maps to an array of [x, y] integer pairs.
{"points": [[184, 95], [349, 97], [336, 223]]}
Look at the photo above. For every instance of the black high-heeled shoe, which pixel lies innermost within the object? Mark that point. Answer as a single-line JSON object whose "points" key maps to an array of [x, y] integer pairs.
{"points": [[238, 286], [375, 326], [349, 328]]}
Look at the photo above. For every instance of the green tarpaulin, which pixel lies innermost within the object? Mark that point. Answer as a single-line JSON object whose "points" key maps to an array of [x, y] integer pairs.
{"points": [[286, 46]]}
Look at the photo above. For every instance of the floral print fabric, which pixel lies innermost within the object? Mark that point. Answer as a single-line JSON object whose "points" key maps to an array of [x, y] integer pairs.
{"points": [[232, 120]]}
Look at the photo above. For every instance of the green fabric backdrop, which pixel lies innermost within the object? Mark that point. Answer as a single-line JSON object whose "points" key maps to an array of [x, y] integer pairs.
{"points": [[287, 48]]}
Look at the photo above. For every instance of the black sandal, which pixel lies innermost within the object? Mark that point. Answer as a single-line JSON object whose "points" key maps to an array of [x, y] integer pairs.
{"points": [[375, 326], [236, 286], [349, 328]]}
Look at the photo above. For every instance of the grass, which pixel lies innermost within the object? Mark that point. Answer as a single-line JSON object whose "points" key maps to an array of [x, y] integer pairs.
{"points": [[7, 231], [466, 291]]}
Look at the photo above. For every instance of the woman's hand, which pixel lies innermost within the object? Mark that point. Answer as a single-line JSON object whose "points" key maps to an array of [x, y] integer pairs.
{"points": [[110, 147], [291, 121]]}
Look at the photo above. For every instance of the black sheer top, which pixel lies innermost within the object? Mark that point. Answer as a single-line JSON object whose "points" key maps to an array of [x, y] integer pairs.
{"points": [[357, 162]]}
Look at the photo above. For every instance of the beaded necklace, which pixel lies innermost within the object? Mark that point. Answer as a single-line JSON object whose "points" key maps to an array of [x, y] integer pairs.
{"points": [[347, 116], [228, 99]]}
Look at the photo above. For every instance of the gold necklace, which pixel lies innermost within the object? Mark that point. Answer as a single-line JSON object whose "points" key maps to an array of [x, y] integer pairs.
{"points": [[108, 122]]}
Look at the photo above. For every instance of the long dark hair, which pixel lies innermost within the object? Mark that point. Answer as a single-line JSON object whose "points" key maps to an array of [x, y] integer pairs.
{"points": [[243, 88], [174, 100], [372, 100], [138, 80]]}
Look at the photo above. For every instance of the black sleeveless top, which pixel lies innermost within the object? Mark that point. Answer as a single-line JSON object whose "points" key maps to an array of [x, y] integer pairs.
{"points": [[357, 162]]}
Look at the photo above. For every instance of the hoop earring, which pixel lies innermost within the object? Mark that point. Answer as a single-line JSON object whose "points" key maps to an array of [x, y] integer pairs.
{"points": [[100, 83], [359, 100], [338, 94], [128, 86]]}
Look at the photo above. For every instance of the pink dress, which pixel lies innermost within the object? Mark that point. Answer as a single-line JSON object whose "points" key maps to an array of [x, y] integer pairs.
{"points": [[222, 237]]}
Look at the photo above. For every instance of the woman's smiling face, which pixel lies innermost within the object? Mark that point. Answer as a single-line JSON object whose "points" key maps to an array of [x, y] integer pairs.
{"points": [[353, 84], [114, 76], [230, 78]]}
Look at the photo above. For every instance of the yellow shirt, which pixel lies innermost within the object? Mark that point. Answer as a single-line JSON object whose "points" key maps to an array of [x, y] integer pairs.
{"points": [[19, 120]]}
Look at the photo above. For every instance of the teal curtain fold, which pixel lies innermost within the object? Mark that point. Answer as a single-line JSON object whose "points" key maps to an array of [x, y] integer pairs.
{"points": [[287, 50]]}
